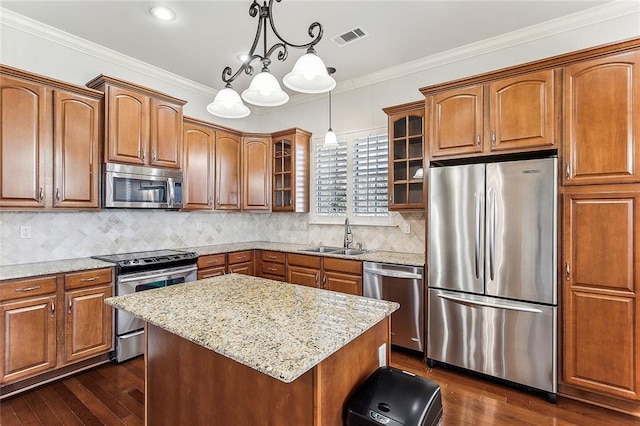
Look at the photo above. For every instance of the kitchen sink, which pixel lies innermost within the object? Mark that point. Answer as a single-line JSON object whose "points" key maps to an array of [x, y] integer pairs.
{"points": [[336, 250], [324, 249], [350, 252]]}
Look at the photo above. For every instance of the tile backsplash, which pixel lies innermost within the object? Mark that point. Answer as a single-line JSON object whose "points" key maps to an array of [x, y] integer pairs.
{"points": [[68, 235]]}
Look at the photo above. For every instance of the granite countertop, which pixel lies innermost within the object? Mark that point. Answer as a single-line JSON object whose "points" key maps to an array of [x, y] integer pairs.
{"points": [[24, 270], [282, 330], [8, 272]]}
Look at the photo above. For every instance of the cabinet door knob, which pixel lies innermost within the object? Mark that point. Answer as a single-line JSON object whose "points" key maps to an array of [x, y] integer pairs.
{"points": [[567, 169], [57, 194], [41, 195], [478, 139], [69, 307], [53, 308], [153, 154], [144, 154], [493, 138], [567, 272]]}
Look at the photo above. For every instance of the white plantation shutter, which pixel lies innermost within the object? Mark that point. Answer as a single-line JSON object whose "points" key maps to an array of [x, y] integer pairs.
{"points": [[370, 176], [331, 180], [351, 180]]}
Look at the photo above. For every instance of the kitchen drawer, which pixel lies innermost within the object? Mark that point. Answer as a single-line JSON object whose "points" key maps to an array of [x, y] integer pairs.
{"points": [[211, 272], [240, 256], [88, 278], [304, 260], [276, 269], [212, 260], [343, 265], [273, 256], [29, 287], [245, 268]]}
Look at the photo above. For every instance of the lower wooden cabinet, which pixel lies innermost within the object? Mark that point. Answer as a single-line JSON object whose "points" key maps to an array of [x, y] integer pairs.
{"points": [[272, 265], [29, 337], [240, 262], [212, 265], [53, 321], [329, 273], [601, 290], [87, 323]]}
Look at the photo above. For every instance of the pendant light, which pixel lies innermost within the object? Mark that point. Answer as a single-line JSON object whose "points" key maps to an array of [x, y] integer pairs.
{"points": [[330, 138], [309, 75]]}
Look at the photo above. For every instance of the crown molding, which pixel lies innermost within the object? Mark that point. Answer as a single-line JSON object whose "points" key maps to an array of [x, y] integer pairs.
{"points": [[546, 29], [49, 33]]}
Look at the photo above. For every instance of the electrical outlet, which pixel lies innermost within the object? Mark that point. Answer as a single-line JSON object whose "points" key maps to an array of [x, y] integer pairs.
{"points": [[406, 228], [25, 231], [198, 226], [382, 355]]}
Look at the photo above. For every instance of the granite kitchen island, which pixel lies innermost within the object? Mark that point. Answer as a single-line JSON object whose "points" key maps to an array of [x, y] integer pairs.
{"points": [[246, 351]]}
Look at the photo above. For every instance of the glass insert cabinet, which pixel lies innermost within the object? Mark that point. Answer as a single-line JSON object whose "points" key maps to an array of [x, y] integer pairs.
{"points": [[406, 156], [290, 185]]}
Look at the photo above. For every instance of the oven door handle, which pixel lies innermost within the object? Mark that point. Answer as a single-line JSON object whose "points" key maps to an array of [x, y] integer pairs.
{"points": [[164, 274]]}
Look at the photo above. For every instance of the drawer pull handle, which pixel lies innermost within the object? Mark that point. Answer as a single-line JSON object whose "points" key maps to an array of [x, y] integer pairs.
{"points": [[240, 257], [20, 290], [211, 262], [70, 304], [273, 257], [273, 269], [86, 280], [53, 308]]}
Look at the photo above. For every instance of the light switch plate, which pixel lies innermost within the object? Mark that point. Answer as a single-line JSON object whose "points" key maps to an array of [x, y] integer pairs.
{"points": [[406, 228]]}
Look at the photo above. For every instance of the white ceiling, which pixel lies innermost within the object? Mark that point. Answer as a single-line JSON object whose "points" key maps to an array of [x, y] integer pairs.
{"points": [[208, 35]]}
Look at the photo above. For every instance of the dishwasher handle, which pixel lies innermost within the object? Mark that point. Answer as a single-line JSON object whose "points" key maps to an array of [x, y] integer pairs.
{"points": [[393, 274]]}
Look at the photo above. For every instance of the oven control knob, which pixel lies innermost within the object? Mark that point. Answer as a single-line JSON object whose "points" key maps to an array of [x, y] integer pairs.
{"points": [[135, 261], [126, 262]]}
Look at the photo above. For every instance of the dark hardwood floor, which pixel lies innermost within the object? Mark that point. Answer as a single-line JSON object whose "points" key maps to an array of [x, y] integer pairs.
{"points": [[114, 395]]}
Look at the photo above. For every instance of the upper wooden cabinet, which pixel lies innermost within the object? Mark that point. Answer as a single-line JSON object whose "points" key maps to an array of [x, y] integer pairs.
{"points": [[406, 156], [290, 184], [199, 149], [256, 172], [227, 183], [601, 120], [508, 115], [142, 127], [49, 137]]}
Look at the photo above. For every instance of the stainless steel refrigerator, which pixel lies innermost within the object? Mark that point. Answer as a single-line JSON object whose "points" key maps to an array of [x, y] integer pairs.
{"points": [[492, 270]]}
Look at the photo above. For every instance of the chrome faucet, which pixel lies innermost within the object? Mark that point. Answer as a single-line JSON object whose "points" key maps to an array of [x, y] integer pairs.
{"points": [[348, 237]]}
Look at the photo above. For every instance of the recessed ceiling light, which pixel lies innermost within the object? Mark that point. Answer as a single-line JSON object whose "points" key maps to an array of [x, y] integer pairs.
{"points": [[242, 57], [163, 13]]}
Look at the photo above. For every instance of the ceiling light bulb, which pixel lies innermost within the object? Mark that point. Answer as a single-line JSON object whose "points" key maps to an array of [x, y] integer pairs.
{"points": [[163, 13]]}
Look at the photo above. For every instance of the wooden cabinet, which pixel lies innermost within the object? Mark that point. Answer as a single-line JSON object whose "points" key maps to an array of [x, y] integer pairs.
{"points": [[342, 275], [212, 265], [304, 270], [601, 284], [512, 114], [88, 321], [49, 141], [28, 324], [240, 262], [227, 166], [76, 150], [290, 183], [602, 106], [142, 126], [256, 172], [406, 156], [272, 265], [48, 325], [329, 273], [199, 149]]}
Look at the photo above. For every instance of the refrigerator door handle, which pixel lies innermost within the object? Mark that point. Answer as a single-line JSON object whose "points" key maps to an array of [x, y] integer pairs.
{"points": [[477, 245], [492, 236], [496, 305]]}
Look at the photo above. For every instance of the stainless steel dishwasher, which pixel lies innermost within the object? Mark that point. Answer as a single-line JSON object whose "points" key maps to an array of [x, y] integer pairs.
{"points": [[405, 285]]}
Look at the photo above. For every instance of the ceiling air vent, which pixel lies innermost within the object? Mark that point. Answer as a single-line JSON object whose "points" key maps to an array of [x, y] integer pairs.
{"points": [[349, 37]]}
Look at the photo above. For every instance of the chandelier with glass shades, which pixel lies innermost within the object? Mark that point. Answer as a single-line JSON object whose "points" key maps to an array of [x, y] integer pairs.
{"points": [[309, 74]]}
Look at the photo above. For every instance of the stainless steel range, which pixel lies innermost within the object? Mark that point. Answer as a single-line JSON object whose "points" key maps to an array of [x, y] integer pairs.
{"points": [[139, 272]]}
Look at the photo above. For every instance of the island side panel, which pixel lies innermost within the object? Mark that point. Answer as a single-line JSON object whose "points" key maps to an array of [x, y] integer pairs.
{"points": [[342, 373], [189, 384]]}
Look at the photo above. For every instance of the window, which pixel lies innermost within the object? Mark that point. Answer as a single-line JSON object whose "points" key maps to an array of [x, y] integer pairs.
{"points": [[351, 180]]}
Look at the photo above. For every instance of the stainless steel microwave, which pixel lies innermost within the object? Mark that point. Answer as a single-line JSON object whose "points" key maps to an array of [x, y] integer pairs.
{"points": [[128, 186]]}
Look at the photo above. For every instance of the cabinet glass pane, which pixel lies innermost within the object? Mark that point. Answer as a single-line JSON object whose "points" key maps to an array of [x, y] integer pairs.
{"points": [[399, 150], [415, 125], [400, 194], [415, 193], [287, 164], [283, 148], [415, 147], [277, 165], [400, 170], [278, 181], [413, 167], [400, 128]]}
